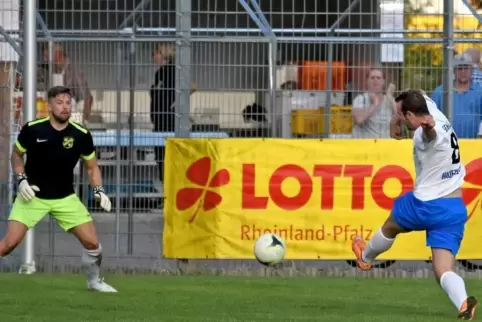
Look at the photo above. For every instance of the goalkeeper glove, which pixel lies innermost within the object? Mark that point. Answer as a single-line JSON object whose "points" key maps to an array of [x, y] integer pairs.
{"points": [[101, 197], [25, 190]]}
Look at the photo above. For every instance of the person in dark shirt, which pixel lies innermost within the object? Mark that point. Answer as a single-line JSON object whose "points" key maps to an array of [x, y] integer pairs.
{"points": [[163, 95], [163, 89], [53, 146]]}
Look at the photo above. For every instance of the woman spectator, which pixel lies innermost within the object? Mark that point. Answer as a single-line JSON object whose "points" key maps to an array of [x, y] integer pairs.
{"points": [[372, 111]]}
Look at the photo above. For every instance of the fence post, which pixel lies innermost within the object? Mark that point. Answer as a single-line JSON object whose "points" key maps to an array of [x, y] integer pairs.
{"points": [[280, 125], [329, 78], [276, 121], [448, 55], [118, 149], [183, 68], [52, 222], [29, 109], [132, 155], [329, 73]]}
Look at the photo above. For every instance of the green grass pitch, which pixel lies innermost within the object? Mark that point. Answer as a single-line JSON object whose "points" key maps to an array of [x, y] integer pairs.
{"points": [[62, 298]]}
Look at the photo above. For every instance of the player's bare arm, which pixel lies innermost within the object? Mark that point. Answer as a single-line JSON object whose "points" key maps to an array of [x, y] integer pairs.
{"points": [[25, 190], [16, 160], [428, 126], [95, 180], [93, 172]]}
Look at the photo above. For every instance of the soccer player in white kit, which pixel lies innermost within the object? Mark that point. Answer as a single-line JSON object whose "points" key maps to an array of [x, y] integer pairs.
{"points": [[435, 205]]}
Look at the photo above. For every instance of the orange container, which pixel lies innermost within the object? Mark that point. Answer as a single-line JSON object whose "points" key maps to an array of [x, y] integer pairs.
{"points": [[312, 75]]}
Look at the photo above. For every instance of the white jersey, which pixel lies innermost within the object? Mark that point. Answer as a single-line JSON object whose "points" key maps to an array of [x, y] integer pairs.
{"points": [[439, 169]]}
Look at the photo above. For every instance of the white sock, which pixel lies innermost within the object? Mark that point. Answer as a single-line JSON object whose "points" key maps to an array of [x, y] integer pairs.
{"points": [[377, 245], [454, 286], [91, 260]]}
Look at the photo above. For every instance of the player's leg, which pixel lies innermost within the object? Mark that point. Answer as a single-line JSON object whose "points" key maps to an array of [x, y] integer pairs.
{"points": [[15, 233], [24, 215], [444, 237], [443, 261], [73, 216], [381, 241], [91, 256], [402, 219]]}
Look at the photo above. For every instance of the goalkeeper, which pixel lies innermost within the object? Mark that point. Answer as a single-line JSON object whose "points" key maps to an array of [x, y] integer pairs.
{"points": [[53, 146]]}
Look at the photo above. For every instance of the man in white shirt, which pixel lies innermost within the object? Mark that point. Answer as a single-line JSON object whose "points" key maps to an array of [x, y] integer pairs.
{"points": [[435, 205]]}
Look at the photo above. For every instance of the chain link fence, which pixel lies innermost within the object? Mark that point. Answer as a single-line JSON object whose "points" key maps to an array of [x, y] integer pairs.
{"points": [[232, 79]]}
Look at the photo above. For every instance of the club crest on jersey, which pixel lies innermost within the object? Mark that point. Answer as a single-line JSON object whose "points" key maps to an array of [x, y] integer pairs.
{"points": [[68, 142]]}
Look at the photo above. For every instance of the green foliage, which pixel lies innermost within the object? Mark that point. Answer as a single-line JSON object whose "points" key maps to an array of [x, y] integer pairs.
{"points": [[423, 67]]}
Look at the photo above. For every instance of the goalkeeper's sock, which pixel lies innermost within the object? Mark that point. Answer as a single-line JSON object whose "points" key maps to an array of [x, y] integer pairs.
{"points": [[454, 286], [91, 260], [377, 245]]}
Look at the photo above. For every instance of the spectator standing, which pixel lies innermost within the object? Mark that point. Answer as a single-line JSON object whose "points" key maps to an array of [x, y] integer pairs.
{"points": [[65, 73], [163, 95], [373, 110], [467, 98], [476, 72]]}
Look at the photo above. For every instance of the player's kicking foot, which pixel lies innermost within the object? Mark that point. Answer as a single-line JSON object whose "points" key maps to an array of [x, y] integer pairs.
{"points": [[467, 311], [358, 246], [100, 286]]}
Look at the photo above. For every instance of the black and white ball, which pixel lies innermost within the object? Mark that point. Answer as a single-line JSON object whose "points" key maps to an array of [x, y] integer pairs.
{"points": [[269, 249]]}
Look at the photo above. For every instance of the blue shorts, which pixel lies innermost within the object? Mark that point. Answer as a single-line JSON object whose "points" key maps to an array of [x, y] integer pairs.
{"points": [[443, 219]]}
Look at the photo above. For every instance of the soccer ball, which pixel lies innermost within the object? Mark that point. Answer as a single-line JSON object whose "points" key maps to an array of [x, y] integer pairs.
{"points": [[269, 249]]}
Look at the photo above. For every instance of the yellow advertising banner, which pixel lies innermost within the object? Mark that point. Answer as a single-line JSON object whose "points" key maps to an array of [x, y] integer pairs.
{"points": [[222, 194]]}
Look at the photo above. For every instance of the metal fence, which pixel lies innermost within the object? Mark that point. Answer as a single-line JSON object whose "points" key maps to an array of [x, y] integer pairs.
{"points": [[238, 54]]}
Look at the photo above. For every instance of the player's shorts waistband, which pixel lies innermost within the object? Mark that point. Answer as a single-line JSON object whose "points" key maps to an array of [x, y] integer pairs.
{"points": [[55, 198]]}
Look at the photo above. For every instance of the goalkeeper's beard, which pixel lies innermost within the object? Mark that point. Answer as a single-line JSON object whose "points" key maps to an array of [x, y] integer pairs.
{"points": [[61, 119]]}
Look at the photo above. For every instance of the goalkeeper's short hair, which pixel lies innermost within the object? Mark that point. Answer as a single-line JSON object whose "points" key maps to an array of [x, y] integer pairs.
{"points": [[57, 90]]}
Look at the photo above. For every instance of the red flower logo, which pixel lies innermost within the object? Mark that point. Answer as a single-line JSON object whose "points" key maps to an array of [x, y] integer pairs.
{"points": [[473, 176], [198, 173]]}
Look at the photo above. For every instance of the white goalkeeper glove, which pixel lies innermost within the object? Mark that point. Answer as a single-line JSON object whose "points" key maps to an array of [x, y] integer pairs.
{"points": [[25, 190], [101, 197]]}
